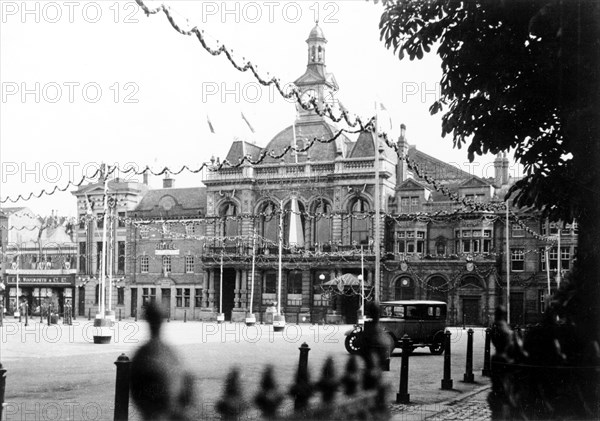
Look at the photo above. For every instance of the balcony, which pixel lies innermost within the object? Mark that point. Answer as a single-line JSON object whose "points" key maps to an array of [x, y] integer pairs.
{"points": [[305, 169]]}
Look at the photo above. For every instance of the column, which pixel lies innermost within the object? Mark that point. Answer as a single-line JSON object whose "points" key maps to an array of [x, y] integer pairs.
{"points": [[236, 291], [204, 302], [211, 288]]}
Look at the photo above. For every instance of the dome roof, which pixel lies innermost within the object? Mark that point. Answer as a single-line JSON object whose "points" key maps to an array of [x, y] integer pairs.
{"points": [[306, 132], [316, 33]]}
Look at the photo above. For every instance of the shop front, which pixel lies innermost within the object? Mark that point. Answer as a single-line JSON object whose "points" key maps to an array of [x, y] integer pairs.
{"points": [[41, 291]]}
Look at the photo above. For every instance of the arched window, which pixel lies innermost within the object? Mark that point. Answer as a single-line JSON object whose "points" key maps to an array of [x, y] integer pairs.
{"points": [[312, 54], [299, 219], [360, 222], [230, 225], [437, 288], [470, 281], [322, 222], [404, 289], [320, 56], [270, 221]]}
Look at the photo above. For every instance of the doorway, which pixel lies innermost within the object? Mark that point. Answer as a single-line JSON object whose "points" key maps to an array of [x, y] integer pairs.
{"points": [[470, 311], [133, 302], [228, 292], [165, 300], [516, 309], [350, 307]]}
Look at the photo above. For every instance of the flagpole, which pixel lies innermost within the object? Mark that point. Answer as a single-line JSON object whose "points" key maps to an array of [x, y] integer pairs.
{"points": [[548, 270], [362, 283], [507, 268], [558, 255], [253, 266], [221, 286], [103, 258], [377, 206], [18, 312], [280, 252], [110, 263], [250, 318]]}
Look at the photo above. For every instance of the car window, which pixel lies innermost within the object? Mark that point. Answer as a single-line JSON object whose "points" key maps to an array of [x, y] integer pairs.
{"points": [[412, 312], [399, 312]]}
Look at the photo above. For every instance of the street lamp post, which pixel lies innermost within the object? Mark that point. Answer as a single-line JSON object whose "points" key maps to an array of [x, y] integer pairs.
{"points": [[251, 319], [221, 315], [279, 319]]}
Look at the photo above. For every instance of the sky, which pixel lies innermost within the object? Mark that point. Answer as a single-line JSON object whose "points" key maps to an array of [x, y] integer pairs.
{"points": [[86, 82]]}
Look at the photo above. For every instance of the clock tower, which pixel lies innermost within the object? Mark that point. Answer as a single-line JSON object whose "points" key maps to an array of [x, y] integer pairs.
{"points": [[316, 82]]}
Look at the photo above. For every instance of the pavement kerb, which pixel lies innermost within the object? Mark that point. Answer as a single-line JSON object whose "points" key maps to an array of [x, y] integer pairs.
{"points": [[423, 411]]}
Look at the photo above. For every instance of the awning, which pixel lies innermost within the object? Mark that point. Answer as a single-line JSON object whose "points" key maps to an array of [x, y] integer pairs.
{"points": [[343, 281]]}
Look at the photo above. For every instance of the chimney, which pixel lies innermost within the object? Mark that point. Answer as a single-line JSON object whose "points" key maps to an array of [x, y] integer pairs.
{"points": [[498, 172], [145, 177], [505, 177], [168, 181], [402, 167]]}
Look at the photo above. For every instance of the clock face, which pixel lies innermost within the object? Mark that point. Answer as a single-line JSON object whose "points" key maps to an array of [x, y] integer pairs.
{"points": [[307, 95], [166, 203]]}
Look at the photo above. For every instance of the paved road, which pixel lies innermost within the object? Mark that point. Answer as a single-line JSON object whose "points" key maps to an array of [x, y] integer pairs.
{"points": [[57, 373]]}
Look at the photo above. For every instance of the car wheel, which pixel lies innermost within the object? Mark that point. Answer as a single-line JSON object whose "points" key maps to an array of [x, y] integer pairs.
{"points": [[353, 344], [437, 348]]}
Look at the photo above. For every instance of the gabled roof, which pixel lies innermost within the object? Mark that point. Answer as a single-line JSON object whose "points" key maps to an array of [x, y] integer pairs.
{"points": [[183, 202], [114, 186], [475, 181], [412, 184], [438, 169], [365, 147], [11, 211], [315, 75], [236, 151]]}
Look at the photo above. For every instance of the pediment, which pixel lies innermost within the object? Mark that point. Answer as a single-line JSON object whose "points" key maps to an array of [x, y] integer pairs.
{"points": [[474, 182], [411, 185]]}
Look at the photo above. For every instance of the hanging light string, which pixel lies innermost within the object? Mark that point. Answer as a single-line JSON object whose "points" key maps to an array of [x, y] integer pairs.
{"points": [[293, 92], [221, 165], [99, 171]]}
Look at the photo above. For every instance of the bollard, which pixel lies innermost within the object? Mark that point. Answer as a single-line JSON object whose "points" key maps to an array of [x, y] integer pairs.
{"points": [[89, 314], [468, 377], [26, 315], [447, 380], [2, 388], [298, 318], [49, 317], [120, 318], [403, 396], [135, 314], [1, 324], [302, 388], [486, 355], [41, 315], [122, 388], [184, 316]]}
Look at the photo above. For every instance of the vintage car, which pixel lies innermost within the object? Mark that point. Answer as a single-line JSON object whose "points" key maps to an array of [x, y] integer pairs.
{"points": [[423, 321]]}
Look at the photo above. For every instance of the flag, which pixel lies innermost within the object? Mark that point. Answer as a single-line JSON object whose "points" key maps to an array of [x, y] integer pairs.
{"points": [[382, 108], [248, 123], [88, 205], [296, 236], [210, 126]]}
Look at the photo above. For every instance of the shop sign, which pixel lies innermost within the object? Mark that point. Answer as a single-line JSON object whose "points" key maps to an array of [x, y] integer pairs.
{"points": [[165, 248], [39, 280]]}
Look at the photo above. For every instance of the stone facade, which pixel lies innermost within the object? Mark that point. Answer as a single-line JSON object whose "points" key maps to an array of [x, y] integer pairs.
{"points": [[194, 249]]}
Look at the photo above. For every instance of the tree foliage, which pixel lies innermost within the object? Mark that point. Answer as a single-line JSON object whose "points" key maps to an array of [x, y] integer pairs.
{"points": [[525, 75], [516, 75]]}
